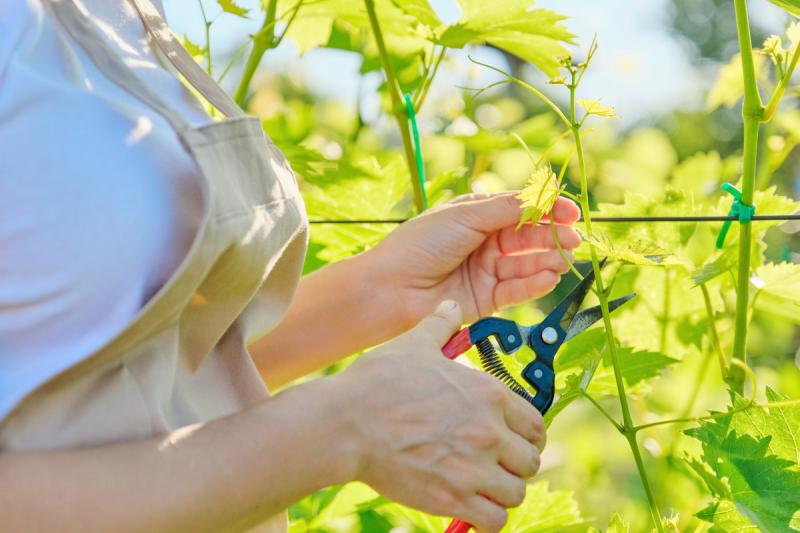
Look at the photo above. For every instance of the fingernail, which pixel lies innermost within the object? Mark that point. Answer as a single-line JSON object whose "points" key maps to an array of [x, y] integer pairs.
{"points": [[447, 305]]}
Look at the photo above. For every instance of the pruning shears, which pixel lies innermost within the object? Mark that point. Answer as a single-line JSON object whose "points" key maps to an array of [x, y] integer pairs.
{"points": [[544, 338]]}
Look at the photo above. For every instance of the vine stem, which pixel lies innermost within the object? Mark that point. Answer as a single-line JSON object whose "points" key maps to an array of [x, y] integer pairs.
{"points": [[712, 331], [262, 41], [398, 108], [748, 406], [752, 113], [627, 422], [772, 104]]}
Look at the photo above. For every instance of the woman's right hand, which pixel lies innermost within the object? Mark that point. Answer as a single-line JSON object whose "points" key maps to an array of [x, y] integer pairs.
{"points": [[438, 436]]}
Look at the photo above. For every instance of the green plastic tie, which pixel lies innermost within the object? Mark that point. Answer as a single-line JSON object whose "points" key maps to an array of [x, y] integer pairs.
{"points": [[738, 209], [412, 117]]}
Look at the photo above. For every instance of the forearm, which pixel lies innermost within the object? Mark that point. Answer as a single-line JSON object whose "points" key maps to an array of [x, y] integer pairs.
{"points": [[231, 472], [338, 310]]}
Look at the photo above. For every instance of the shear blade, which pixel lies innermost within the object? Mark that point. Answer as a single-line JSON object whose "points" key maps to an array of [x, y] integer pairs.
{"points": [[584, 319]]}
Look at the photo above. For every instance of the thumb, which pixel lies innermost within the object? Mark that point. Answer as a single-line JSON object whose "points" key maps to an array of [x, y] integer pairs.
{"points": [[440, 325], [491, 213]]}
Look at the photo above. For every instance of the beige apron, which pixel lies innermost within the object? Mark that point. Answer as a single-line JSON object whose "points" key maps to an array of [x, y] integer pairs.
{"points": [[184, 357]]}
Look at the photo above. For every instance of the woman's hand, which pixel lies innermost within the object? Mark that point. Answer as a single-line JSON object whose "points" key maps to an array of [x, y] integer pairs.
{"points": [[436, 435], [470, 251]]}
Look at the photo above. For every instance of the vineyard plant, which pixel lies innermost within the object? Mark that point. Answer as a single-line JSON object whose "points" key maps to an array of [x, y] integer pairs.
{"points": [[680, 411]]}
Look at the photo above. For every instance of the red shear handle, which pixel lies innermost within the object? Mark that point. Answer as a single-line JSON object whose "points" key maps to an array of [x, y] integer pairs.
{"points": [[458, 344], [458, 526]]}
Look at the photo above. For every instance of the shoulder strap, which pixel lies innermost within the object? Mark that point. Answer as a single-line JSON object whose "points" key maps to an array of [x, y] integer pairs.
{"points": [[109, 63], [183, 62]]}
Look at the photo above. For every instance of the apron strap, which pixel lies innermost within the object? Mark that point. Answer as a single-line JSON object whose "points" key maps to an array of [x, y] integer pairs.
{"points": [[182, 61], [109, 63]]}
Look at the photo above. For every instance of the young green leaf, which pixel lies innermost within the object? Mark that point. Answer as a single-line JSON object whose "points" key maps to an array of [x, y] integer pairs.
{"points": [[637, 367], [594, 107], [421, 10], [194, 50], [642, 252], [778, 289], [230, 6], [792, 6], [546, 511], [729, 87], [616, 525], [539, 194], [773, 48], [755, 452], [534, 35]]}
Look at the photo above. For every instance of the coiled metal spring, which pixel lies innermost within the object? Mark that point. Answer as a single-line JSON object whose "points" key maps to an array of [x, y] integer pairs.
{"points": [[492, 363]]}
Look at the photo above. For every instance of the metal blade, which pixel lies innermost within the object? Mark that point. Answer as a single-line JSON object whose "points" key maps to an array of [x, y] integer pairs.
{"points": [[589, 316], [566, 311]]}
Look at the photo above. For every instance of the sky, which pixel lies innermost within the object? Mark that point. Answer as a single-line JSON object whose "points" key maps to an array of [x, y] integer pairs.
{"points": [[640, 68]]}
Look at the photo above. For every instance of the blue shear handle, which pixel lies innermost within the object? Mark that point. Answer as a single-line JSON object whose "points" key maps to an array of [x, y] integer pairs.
{"points": [[542, 377]]}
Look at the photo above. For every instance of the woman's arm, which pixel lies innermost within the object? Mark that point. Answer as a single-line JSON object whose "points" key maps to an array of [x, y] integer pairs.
{"points": [[470, 251], [206, 477], [337, 310], [418, 428]]}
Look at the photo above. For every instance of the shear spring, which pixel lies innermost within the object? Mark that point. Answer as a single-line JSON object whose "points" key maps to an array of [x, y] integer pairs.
{"points": [[492, 363]]}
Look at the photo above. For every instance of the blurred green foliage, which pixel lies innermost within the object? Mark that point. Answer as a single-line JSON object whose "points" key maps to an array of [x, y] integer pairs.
{"points": [[736, 471]]}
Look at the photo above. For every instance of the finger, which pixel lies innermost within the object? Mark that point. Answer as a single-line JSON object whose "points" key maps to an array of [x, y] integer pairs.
{"points": [[442, 324], [502, 487], [516, 291], [531, 238], [489, 214], [526, 265], [485, 515], [565, 211], [519, 456], [524, 420], [471, 197]]}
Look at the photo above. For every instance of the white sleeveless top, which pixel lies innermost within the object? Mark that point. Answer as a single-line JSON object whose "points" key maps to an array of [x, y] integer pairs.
{"points": [[74, 177]]}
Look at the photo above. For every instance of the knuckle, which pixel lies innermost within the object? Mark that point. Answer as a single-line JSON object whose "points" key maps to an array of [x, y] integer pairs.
{"points": [[485, 436], [496, 519], [443, 499], [536, 462], [493, 391], [518, 492]]}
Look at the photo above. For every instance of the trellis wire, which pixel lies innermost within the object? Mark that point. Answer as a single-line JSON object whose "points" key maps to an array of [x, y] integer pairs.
{"points": [[709, 218]]}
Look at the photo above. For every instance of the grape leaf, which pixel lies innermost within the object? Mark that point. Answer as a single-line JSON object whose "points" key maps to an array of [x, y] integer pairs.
{"points": [[778, 289], [546, 511], [543, 511], [698, 175], [594, 107], [616, 525], [534, 35], [636, 367], [421, 10], [755, 453], [359, 189], [792, 6], [729, 86], [640, 252], [726, 518], [538, 195], [773, 47], [230, 6], [194, 50]]}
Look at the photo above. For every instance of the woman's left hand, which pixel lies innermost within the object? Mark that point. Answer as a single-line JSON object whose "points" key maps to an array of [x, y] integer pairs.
{"points": [[470, 251]]}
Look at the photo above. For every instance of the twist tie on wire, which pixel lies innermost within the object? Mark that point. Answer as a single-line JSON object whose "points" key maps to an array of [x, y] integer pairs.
{"points": [[738, 209], [412, 117]]}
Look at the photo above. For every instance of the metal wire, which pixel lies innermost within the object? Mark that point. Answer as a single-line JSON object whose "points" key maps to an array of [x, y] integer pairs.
{"points": [[710, 218]]}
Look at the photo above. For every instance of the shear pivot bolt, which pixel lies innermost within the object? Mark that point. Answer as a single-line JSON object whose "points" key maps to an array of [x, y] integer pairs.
{"points": [[549, 335], [538, 373], [511, 338]]}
